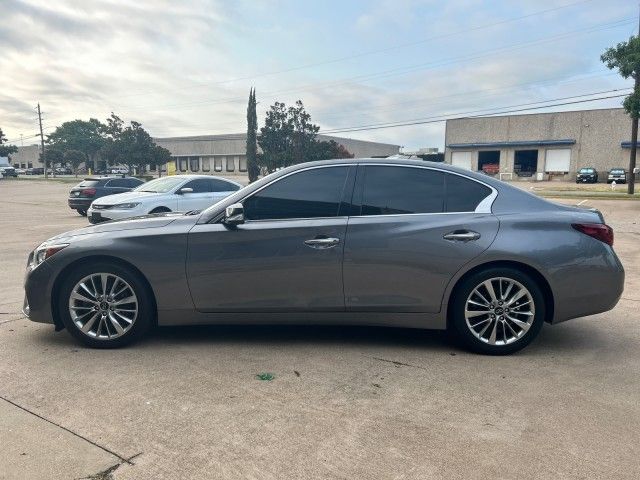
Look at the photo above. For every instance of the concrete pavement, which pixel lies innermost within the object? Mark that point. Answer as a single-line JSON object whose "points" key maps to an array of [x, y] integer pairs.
{"points": [[344, 403]]}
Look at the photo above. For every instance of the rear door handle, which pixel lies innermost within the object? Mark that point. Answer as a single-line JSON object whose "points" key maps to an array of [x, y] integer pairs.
{"points": [[322, 243], [462, 236]]}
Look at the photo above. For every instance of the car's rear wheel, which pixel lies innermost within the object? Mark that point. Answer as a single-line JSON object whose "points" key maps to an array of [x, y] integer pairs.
{"points": [[105, 305], [82, 212], [497, 311]]}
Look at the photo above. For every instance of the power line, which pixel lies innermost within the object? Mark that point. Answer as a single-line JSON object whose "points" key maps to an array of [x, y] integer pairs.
{"points": [[400, 70], [369, 52], [444, 117]]}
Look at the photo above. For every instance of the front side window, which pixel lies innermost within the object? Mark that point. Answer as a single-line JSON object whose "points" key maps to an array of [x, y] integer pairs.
{"points": [[199, 185], [391, 190], [311, 193], [194, 164]]}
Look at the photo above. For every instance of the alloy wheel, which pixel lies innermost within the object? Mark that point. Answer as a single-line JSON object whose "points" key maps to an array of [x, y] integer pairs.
{"points": [[103, 306], [499, 311]]}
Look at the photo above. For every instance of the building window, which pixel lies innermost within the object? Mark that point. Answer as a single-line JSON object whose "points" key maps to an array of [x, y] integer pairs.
{"points": [[29, 165], [525, 162], [182, 161], [242, 164], [230, 164], [194, 164], [152, 167], [206, 164], [217, 164]]}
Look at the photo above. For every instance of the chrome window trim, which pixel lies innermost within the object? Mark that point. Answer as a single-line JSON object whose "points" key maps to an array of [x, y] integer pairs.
{"points": [[484, 207]]}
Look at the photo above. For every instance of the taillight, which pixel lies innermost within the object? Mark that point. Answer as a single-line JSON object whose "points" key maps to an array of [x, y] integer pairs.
{"points": [[88, 192], [599, 231]]}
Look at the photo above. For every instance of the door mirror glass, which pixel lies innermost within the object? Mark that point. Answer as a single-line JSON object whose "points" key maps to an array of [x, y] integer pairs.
{"points": [[185, 190], [234, 214]]}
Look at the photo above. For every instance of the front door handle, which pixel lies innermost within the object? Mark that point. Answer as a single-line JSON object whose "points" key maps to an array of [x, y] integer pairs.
{"points": [[462, 236], [322, 243]]}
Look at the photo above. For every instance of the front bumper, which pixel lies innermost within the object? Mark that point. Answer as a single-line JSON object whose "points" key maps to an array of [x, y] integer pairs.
{"points": [[38, 287]]}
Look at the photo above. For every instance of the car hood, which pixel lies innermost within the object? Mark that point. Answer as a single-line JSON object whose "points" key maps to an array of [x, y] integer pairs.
{"points": [[125, 197], [146, 221]]}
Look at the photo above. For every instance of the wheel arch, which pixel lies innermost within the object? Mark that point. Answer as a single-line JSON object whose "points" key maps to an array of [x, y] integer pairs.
{"points": [[66, 271], [523, 267], [160, 209]]}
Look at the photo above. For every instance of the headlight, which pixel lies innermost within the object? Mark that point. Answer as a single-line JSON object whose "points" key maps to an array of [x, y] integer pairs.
{"points": [[45, 251], [126, 206]]}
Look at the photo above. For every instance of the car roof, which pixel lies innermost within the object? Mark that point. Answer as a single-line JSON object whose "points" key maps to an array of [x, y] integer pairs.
{"points": [[193, 177]]}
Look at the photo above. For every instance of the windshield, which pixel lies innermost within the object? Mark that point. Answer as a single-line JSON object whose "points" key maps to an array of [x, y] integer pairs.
{"points": [[617, 170], [586, 170], [160, 185]]}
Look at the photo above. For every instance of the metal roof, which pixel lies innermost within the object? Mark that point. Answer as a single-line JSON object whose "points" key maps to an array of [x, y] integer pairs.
{"points": [[514, 143]]}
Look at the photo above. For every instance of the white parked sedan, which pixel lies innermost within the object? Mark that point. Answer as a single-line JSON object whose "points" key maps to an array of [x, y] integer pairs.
{"points": [[181, 193]]}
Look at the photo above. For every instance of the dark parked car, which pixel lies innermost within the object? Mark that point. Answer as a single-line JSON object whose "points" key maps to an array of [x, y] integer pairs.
{"points": [[619, 175], [81, 196], [587, 175], [35, 171], [399, 243]]}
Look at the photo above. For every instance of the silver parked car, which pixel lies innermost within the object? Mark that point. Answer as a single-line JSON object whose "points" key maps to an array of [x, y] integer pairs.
{"points": [[362, 242]]}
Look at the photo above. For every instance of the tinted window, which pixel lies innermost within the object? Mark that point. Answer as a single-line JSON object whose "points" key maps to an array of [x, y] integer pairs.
{"points": [[118, 183], [401, 190], [88, 183], [463, 194], [218, 185], [133, 182], [308, 194], [200, 185]]}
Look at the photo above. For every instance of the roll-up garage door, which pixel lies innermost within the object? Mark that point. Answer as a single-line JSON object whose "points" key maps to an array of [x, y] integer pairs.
{"points": [[461, 159], [557, 160]]}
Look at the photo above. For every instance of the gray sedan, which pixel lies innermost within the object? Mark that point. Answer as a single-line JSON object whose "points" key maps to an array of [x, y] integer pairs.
{"points": [[361, 242]]}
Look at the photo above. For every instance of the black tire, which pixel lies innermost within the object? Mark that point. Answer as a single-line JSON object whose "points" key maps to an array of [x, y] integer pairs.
{"points": [[82, 212], [160, 210], [462, 332], [146, 314]]}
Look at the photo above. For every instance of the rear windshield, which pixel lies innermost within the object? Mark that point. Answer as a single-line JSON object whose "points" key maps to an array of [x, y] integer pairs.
{"points": [[88, 183], [586, 170]]}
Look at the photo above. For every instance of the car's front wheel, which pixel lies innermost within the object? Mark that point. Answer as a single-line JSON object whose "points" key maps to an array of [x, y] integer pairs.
{"points": [[105, 305], [82, 212], [497, 311]]}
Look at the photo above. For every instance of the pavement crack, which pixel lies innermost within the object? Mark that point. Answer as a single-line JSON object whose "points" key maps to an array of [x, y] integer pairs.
{"points": [[396, 363], [107, 473], [122, 458], [12, 320]]}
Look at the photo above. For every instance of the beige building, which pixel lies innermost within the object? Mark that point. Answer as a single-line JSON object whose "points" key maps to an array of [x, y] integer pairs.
{"points": [[543, 145]]}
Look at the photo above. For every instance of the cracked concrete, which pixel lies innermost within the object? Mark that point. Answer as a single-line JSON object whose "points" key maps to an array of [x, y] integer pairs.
{"points": [[344, 403]]}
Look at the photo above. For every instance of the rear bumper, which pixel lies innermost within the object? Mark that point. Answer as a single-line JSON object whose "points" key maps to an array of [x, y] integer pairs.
{"points": [[80, 203], [589, 288]]}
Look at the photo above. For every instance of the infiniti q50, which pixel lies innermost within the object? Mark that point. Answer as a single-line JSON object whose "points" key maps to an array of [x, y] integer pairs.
{"points": [[362, 242]]}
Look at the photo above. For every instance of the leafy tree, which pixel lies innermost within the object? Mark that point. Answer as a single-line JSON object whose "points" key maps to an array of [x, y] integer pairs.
{"points": [[289, 137], [133, 146], [253, 169], [84, 136], [53, 157], [74, 158], [625, 57], [6, 150]]}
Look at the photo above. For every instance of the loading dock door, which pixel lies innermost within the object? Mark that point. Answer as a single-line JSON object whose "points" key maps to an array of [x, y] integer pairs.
{"points": [[557, 160], [461, 159]]}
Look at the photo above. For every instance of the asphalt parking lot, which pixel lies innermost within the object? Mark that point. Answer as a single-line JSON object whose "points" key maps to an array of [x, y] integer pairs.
{"points": [[343, 403]]}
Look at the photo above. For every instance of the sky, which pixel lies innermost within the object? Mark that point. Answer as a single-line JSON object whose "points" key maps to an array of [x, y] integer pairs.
{"points": [[185, 68]]}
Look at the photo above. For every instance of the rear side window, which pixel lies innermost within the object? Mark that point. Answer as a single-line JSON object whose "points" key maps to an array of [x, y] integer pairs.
{"points": [[88, 183], [463, 194], [222, 186], [390, 190], [309, 194], [118, 183]]}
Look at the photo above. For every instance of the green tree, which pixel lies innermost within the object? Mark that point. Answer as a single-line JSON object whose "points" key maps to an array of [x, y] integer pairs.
{"points": [[625, 57], [331, 149], [53, 157], [74, 158], [253, 169], [84, 136], [133, 146], [6, 150]]}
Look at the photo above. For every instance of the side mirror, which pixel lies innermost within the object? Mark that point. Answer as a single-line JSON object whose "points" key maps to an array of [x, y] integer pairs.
{"points": [[184, 190], [234, 215]]}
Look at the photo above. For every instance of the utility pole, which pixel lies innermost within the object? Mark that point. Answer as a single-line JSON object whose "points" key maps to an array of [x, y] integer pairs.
{"points": [[44, 160], [634, 133]]}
